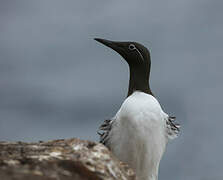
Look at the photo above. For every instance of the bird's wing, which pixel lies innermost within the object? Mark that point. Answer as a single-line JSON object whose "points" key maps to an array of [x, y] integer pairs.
{"points": [[172, 127], [104, 131]]}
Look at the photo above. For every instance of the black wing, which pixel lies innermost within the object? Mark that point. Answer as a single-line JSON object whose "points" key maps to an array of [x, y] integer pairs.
{"points": [[172, 127], [104, 131]]}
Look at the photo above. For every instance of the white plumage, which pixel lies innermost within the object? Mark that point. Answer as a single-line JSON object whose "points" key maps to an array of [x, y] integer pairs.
{"points": [[138, 135]]}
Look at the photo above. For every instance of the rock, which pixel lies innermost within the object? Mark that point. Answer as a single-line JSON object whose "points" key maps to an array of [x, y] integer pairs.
{"points": [[65, 159]]}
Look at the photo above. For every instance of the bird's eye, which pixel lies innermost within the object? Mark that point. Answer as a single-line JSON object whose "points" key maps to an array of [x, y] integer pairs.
{"points": [[132, 47]]}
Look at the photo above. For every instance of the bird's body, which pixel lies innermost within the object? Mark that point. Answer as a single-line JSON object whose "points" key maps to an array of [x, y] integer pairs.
{"points": [[140, 130], [138, 134]]}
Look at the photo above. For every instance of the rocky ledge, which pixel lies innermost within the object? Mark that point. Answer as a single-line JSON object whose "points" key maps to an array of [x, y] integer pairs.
{"points": [[65, 159]]}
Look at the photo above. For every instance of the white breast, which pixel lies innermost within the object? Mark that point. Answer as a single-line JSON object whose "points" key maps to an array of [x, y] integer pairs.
{"points": [[138, 134]]}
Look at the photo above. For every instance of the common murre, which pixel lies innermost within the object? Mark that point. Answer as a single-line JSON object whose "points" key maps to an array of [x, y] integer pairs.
{"points": [[140, 130]]}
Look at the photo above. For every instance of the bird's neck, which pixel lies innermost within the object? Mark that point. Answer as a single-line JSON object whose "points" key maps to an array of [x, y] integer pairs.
{"points": [[139, 81]]}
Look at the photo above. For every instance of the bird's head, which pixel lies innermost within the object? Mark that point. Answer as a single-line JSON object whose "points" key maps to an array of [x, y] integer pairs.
{"points": [[136, 55], [138, 58]]}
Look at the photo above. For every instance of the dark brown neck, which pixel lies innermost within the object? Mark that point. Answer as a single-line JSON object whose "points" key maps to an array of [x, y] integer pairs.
{"points": [[139, 81]]}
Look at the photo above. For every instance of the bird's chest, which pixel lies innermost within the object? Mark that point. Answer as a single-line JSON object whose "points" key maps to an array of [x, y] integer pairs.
{"points": [[140, 112], [139, 126]]}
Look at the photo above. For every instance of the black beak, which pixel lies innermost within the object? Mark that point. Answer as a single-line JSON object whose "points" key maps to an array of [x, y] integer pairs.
{"points": [[112, 44], [104, 41]]}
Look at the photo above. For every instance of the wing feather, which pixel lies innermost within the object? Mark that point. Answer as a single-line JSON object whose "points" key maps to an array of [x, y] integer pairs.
{"points": [[173, 128], [104, 131]]}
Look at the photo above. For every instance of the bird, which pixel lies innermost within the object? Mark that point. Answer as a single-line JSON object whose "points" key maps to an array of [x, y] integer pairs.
{"points": [[140, 130]]}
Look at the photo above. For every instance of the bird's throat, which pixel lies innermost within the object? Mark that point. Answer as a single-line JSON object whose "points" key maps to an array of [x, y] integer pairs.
{"points": [[139, 81]]}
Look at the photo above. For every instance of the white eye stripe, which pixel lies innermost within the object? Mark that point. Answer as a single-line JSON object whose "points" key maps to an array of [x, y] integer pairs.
{"points": [[140, 54], [133, 47]]}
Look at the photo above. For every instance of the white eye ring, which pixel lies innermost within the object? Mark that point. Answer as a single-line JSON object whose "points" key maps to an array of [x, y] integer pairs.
{"points": [[132, 47]]}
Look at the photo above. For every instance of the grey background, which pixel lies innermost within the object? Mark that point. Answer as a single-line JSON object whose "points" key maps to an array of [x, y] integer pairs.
{"points": [[56, 82]]}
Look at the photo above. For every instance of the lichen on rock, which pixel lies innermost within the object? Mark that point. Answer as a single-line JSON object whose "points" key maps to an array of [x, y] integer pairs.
{"points": [[65, 159]]}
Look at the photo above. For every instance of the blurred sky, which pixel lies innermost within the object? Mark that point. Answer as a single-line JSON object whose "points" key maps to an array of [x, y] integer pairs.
{"points": [[57, 82]]}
